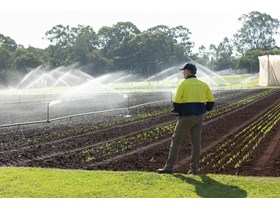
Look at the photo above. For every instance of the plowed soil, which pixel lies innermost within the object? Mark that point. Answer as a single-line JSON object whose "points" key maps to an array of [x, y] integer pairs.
{"points": [[64, 152]]}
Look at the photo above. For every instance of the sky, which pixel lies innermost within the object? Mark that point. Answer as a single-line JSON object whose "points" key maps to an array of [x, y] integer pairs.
{"points": [[27, 21]]}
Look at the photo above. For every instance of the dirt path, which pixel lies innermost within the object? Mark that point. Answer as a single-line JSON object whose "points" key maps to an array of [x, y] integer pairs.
{"points": [[269, 154]]}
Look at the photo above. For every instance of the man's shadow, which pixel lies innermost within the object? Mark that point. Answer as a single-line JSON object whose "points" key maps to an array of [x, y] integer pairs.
{"points": [[209, 188]]}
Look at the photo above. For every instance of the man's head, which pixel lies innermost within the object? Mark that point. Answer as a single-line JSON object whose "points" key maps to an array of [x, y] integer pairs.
{"points": [[189, 69]]}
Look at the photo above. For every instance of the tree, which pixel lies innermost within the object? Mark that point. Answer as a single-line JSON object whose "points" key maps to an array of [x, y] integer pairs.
{"points": [[6, 59], [179, 35], [98, 64], [70, 45], [256, 32], [60, 49], [41, 54], [85, 42], [220, 57], [25, 59], [8, 43], [203, 56], [6, 64], [60, 56], [148, 50], [161, 29], [60, 35], [113, 39], [224, 52], [250, 61], [182, 36]]}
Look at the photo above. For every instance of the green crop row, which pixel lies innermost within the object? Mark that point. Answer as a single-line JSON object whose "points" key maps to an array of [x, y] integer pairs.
{"points": [[237, 104], [118, 146], [72, 131], [123, 145], [78, 129], [89, 123], [235, 150]]}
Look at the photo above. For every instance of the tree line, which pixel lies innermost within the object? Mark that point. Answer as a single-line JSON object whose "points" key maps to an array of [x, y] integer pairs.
{"points": [[124, 47]]}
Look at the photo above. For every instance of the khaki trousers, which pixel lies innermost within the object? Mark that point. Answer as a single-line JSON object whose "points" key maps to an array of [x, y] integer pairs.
{"points": [[186, 125]]}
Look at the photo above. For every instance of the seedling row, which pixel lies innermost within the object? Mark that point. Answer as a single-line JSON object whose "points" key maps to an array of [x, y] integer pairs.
{"points": [[107, 149], [102, 121], [235, 150]]}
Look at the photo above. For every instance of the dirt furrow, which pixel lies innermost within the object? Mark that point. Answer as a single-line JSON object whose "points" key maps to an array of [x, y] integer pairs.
{"points": [[212, 131]]}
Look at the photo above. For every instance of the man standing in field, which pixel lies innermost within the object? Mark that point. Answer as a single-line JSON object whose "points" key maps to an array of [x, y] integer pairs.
{"points": [[192, 99]]}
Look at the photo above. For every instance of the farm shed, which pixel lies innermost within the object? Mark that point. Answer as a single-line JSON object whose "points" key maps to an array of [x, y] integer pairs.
{"points": [[269, 70]]}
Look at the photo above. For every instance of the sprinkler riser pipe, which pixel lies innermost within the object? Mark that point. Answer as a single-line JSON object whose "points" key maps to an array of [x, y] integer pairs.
{"points": [[48, 112]]}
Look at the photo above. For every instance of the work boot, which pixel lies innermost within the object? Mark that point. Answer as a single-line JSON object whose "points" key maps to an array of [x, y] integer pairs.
{"points": [[164, 171]]}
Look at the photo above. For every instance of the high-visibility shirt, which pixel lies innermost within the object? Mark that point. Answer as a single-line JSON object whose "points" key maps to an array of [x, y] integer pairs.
{"points": [[193, 97]]}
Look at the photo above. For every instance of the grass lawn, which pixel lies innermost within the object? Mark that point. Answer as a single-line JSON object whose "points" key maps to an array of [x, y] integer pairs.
{"points": [[54, 183]]}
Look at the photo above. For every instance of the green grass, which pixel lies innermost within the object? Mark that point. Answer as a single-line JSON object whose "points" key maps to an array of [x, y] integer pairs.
{"points": [[55, 183], [237, 81]]}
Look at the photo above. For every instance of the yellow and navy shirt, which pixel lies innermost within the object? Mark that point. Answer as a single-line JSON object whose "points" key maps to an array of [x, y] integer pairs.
{"points": [[193, 97]]}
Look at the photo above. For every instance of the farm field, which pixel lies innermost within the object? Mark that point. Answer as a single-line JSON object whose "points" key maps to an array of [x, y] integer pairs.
{"points": [[240, 137]]}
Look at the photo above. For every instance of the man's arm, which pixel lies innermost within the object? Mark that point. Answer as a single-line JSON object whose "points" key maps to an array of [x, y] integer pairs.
{"points": [[209, 106]]}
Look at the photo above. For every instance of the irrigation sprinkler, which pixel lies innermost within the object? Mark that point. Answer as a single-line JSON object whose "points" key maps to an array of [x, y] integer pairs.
{"points": [[48, 112], [20, 130], [126, 96], [48, 108]]}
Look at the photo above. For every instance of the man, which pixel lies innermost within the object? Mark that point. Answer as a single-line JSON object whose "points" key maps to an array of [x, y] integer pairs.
{"points": [[192, 99]]}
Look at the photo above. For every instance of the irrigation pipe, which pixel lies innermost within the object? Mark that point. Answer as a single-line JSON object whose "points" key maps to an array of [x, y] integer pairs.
{"points": [[48, 120], [23, 123]]}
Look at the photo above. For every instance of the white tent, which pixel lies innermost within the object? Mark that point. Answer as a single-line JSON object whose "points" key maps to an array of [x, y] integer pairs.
{"points": [[269, 70]]}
